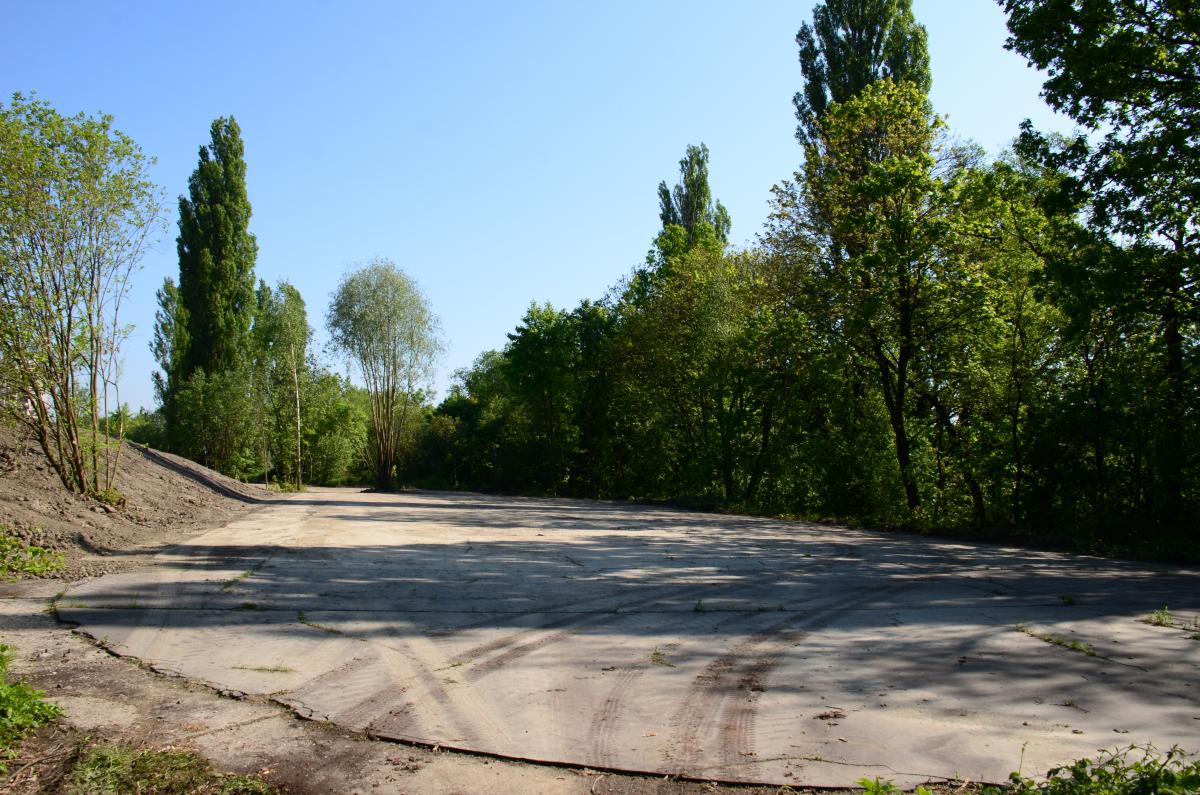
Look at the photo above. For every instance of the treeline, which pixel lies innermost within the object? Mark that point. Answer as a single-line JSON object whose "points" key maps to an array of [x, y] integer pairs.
{"points": [[921, 336], [241, 389]]}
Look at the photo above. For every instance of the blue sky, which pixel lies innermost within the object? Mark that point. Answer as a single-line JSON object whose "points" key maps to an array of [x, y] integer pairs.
{"points": [[500, 153]]}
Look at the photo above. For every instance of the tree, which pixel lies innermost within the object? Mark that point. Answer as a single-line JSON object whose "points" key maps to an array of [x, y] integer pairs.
{"points": [[1129, 72], [868, 229], [77, 208], [216, 257], [851, 44], [381, 320], [281, 336], [690, 205]]}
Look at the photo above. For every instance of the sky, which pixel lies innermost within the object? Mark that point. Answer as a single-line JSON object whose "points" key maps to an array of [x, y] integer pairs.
{"points": [[498, 153]]}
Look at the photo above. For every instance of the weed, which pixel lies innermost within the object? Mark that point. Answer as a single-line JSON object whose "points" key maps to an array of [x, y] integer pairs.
{"points": [[249, 606], [21, 711], [883, 786], [699, 608], [1056, 640], [228, 584], [274, 669], [108, 497], [114, 768], [304, 620], [17, 558], [1067, 599], [1160, 618], [658, 658], [1131, 771]]}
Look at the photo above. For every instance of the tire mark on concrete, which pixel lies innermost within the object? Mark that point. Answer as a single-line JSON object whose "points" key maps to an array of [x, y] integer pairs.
{"points": [[708, 697]]}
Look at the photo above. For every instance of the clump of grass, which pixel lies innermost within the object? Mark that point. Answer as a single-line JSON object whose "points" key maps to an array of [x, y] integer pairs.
{"points": [[21, 711], [1067, 599], [18, 558], [274, 669], [116, 769], [1056, 640], [1160, 618], [658, 658], [699, 608]]}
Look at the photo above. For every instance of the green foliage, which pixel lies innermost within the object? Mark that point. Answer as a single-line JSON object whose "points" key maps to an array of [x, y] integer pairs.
{"points": [[109, 769], [851, 44], [17, 558], [380, 320], [1129, 73], [216, 260], [1137, 770], [77, 209], [21, 711], [1161, 618]]}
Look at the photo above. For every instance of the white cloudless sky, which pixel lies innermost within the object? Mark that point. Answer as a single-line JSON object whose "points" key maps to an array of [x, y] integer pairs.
{"points": [[499, 153]]}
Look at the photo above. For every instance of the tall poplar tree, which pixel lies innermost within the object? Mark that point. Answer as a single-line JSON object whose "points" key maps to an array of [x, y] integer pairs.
{"points": [[216, 257], [851, 44]]}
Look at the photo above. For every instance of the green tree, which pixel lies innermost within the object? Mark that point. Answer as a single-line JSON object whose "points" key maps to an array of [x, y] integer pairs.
{"points": [[381, 320], [690, 206], [77, 208], [1129, 72], [281, 336], [891, 285], [216, 258], [851, 44]]}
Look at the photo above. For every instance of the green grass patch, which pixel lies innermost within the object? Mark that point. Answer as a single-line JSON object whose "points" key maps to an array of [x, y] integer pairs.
{"points": [[658, 658], [21, 711], [114, 769], [20, 559], [274, 669]]}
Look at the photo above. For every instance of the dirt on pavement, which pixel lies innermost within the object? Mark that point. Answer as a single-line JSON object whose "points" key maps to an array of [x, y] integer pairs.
{"points": [[111, 699]]}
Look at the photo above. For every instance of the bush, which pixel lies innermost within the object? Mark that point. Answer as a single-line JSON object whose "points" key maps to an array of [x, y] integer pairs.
{"points": [[21, 711], [1137, 770]]}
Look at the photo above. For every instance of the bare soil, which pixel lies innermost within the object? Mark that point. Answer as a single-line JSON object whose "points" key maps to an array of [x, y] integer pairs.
{"points": [[112, 699]]}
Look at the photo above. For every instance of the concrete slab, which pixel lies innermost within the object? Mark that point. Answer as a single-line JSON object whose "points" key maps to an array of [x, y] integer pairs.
{"points": [[615, 636]]}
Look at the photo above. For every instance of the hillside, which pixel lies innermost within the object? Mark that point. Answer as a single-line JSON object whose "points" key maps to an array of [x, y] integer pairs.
{"points": [[167, 499]]}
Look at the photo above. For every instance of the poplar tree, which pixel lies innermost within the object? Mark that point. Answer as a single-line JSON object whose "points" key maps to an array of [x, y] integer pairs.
{"points": [[851, 44], [216, 257]]}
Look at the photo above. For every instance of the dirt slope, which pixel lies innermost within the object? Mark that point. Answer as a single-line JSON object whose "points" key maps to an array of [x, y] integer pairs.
{"points": [[167, 499]]}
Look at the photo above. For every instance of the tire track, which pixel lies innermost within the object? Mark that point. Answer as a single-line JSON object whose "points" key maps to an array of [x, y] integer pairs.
{"points": [[707, 704], [608, 717]]}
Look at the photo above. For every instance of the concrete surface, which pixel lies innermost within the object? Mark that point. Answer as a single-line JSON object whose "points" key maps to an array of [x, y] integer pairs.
{"points": [[719, 647]]}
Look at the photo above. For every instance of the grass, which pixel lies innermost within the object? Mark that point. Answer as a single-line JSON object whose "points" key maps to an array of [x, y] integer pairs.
{"points": [[1067, 599], [1160, 618], [119, 769], [658, 658], [20, 559], [303, 619], [1056, 640], [228, 584], [21, 711], [274, 669]]}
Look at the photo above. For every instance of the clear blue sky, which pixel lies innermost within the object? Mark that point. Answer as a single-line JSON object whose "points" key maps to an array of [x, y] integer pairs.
{"points": [[500, 153]]}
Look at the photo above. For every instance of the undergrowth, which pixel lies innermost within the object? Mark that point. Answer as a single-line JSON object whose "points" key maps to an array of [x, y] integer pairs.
{"points": [[1136, 770], [109, 769], [21, 711], [18, 558]]}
